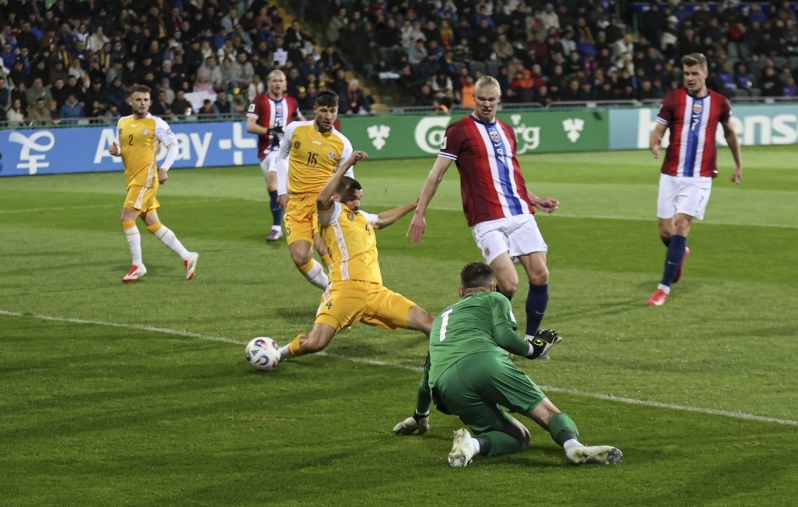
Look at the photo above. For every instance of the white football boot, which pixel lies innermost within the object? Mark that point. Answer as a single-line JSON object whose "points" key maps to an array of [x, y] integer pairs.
{"points": [[135, 273], [191, 265], [594, 454], [463, 449]]}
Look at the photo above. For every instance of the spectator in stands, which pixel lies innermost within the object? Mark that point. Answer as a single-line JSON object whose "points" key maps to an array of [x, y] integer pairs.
{"points": [[36, 91], [336, 25], [38, 113], [771, 84], [160, 106], [211, 72], [355, 101], [503, 49], [550, 18], [181, 106], [228, 76], [789, 89], [256, 87], [464, 31], [388, 35], [418, 53], [206, 111], [428, 68], [652, 22], [425, 96], [482, 50], [726, 76], [71, 110], [15, 115], [523, 86], [462, 51], [239, 105], [5, 93], [221, 106]]}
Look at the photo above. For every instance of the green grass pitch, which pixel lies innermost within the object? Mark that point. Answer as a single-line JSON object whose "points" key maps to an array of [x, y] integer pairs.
{"points": [[110, 406]]}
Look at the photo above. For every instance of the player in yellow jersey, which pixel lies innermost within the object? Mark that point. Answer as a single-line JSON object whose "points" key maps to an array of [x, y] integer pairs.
{"points": [[138, 139], [310, 152], [356, 293]]}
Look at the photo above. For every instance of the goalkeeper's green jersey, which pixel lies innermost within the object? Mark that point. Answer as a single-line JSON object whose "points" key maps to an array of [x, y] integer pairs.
{"points": [[479, 322]]}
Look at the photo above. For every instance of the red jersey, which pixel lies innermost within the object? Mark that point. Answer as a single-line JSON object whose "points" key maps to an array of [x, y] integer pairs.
{"points": [[270, 114], [491, 182], [692, 122]]}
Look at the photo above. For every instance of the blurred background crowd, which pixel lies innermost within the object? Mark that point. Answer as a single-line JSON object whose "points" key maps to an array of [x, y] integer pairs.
{"points": [[64, 61]]}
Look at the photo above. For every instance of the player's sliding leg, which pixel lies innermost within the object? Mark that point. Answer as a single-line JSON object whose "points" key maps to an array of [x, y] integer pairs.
{"points": [[308, 343], [302, 255], [320, 247], [674, 260], [169, 239], [271, 183], [133, 237], [563, 430]]}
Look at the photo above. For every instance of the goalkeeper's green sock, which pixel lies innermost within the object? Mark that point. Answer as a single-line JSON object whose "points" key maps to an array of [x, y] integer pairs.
{"points": [[498, 443], [562, 429]]}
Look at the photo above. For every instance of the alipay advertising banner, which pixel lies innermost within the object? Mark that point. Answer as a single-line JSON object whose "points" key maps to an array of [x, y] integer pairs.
{"points": [[85, 149]]}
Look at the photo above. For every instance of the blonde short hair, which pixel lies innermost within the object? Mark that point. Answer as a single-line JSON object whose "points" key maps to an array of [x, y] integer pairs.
{"points": [[274, 73], [487, 83], [695, 59]]}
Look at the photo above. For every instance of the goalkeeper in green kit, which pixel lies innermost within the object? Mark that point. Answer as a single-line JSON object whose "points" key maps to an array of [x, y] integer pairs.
{"points": [[469, 376]]}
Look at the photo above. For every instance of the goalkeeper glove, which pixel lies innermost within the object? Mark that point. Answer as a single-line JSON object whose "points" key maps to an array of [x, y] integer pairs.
{"points": [[276, 132], [544, 340]]}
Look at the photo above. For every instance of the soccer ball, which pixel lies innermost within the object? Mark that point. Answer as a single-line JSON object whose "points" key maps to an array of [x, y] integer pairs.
{"points": [[262, 353]]}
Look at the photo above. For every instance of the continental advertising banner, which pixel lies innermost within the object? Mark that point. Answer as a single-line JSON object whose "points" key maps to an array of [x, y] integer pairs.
{"points": [[755, 125], [85, 149], [421, 136]]}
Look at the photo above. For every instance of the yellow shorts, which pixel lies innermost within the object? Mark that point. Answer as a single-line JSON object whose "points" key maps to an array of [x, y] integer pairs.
{"points": [[142, 199], [348, 302], [301, 218]]}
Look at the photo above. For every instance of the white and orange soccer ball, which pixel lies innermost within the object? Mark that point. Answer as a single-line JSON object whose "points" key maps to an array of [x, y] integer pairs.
{"points": [[262, 353]]}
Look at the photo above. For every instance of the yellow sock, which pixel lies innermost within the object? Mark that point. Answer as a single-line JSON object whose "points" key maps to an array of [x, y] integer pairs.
{"points": [[293, 347], [307, 267], [326, 260], [154, 227]]}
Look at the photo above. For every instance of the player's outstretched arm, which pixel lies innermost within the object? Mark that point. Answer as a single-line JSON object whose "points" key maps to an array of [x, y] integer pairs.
{"points": [[734, 146], [655, 143], [418, 225], [254, 128], [324, 200], [389, 217]]}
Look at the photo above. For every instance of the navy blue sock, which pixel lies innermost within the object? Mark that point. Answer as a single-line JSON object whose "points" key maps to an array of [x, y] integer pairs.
{"points": [[500, 291], [536, 302], [674, 259], [277, 211]]}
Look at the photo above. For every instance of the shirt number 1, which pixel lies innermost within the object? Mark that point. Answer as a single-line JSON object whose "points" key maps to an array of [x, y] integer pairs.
{"points": [[445, 322]]}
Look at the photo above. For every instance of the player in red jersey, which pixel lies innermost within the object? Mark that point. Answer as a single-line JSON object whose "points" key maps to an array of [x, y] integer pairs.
{"points": [[497, 205], [268, 116], [692, 115]]}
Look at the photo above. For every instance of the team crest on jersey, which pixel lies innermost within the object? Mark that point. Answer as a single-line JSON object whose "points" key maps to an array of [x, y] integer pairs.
{"points": [[145, 132], [494, 136], [350, 216], [278, 109], [332, 155], [296, 145], [697, 108]]}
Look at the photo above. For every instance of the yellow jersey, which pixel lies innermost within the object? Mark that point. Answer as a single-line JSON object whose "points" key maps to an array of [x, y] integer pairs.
{"points": [[349, 236], [313, 157], [139, 141]]}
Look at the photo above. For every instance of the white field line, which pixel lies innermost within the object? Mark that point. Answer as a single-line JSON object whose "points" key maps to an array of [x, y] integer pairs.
{"points": [[59, 208], [436, 208], [605, 217], [608, 397]]}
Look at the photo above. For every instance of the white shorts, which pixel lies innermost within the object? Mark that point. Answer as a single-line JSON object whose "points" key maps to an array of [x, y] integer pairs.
{"points": [[688, 196], [518, 235], [267, 164]]}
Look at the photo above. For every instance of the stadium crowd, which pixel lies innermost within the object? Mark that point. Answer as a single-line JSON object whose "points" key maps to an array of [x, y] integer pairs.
{"points": [[67, 60]]}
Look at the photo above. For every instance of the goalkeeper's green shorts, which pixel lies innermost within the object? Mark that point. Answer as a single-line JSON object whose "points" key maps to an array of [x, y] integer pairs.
{"points": [[476, 388]]}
